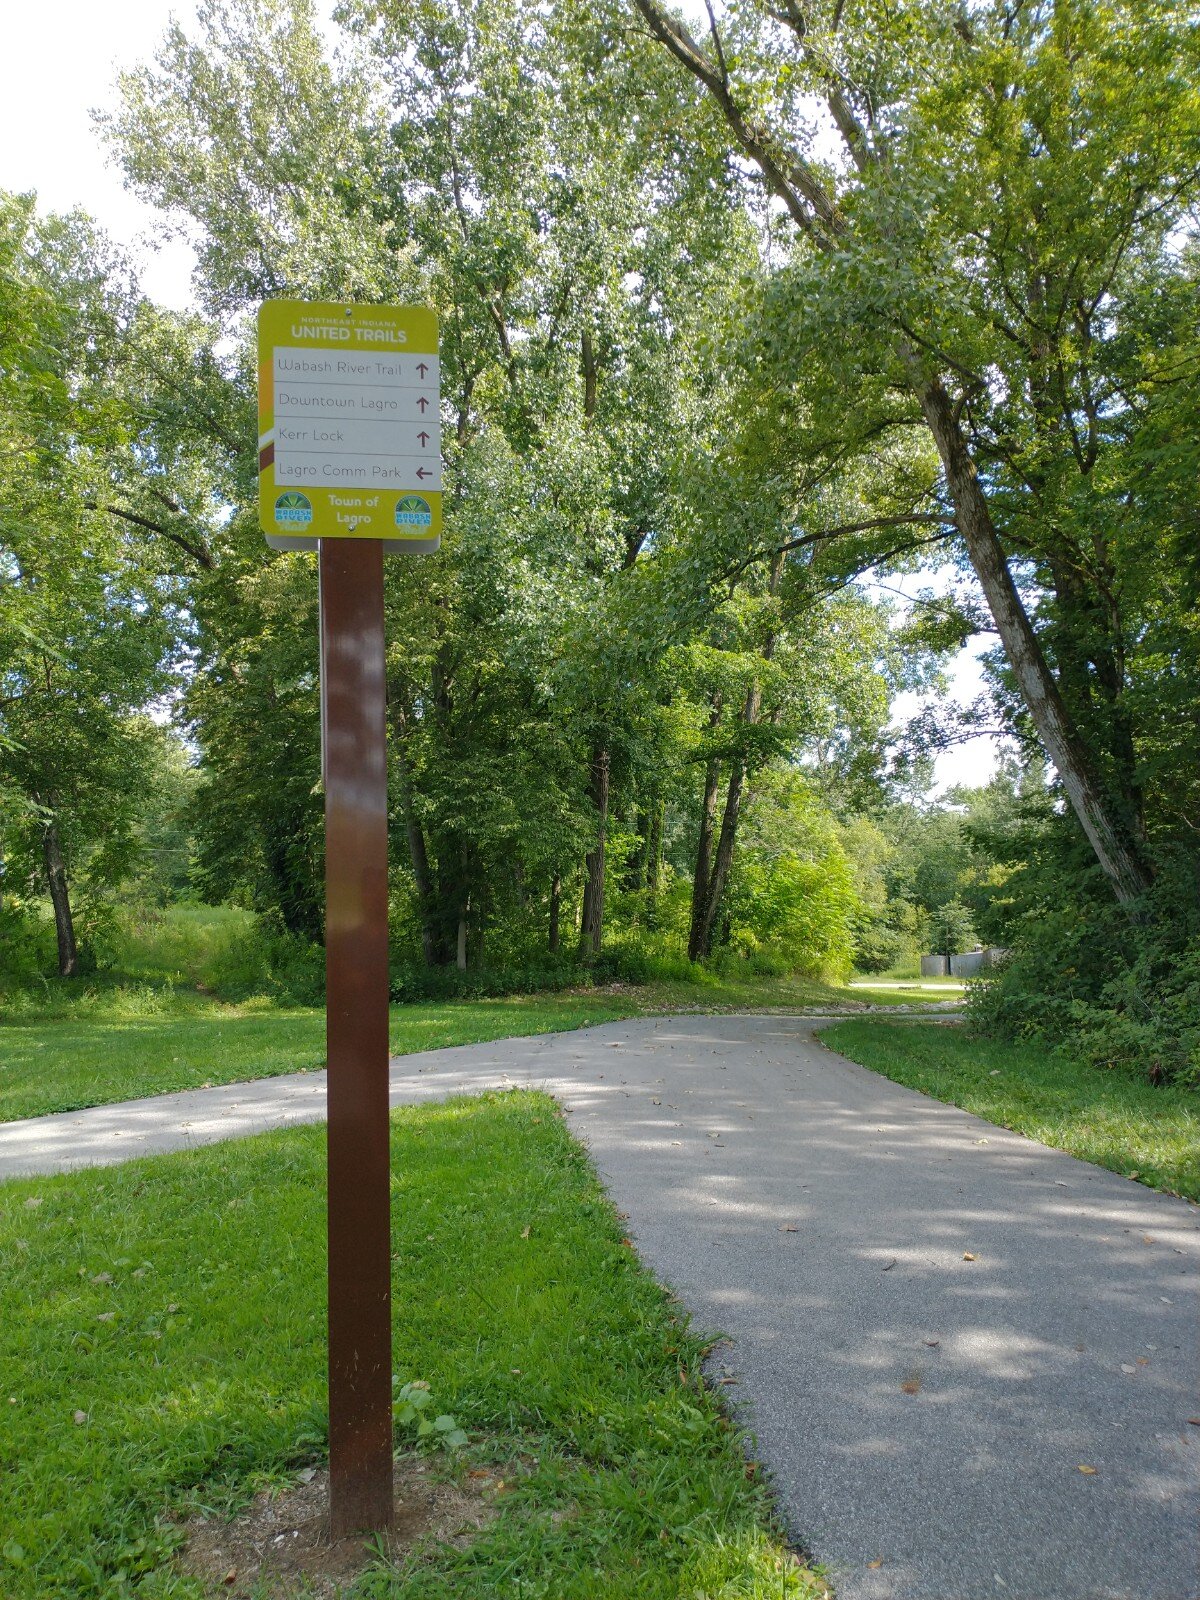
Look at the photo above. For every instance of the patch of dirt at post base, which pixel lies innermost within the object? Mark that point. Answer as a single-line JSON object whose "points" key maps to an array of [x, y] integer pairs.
{"points": [[279, 1548]]}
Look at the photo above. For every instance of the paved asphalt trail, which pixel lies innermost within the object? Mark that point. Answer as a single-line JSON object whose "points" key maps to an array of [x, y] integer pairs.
{"points": [[916, 1408]]}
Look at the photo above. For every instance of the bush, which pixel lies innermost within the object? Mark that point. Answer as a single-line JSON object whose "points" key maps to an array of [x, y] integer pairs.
{"points": [[1111, 987], [267, 960], [27, 947], [410, 982]]}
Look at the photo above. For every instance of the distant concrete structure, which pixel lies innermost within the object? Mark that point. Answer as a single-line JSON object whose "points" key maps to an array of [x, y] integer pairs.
{"points": [[967, 964]]}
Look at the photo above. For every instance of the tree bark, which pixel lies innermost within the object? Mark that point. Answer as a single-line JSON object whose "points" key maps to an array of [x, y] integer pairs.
{"points": [[588, 365], [1115, 847], [555, 913], [592, 928], [729, 825], [64, 922], [701, 879], [751, 711]]}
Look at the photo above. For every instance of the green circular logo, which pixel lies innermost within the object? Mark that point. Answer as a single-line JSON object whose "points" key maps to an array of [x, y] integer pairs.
{"points": [[413, 512], [293, 507]]}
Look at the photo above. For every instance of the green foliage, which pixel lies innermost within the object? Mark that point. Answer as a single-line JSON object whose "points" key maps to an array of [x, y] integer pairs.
{"points": [[267, 960], [679, 429], [1115, 991], [410, 1402], [952, 928], [794, 892]]}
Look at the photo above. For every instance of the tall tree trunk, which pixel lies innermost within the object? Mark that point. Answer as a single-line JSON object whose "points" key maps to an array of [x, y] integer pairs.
{"points": [[1114, 844], [461, 949], [724, 857], [702, 876], [592, 929], [723, 860], [64, 923], [555, 913], [751, 711]]}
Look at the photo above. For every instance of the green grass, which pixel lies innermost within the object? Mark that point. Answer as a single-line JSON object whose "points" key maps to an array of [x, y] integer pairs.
{"points": [[92, 1044], [1114, 1118], [515, 1298]]}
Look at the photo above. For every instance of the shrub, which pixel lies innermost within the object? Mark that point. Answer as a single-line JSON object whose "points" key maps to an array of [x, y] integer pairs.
{"points": [[267, 960], [27, 949], [1115, 988]]}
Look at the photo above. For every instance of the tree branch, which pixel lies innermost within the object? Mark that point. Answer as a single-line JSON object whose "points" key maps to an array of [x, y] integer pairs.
{"points": [[199, 552], [788, 177]]}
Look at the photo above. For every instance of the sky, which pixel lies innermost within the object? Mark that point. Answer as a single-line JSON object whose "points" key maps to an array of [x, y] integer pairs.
{"points": [[49, 144]]}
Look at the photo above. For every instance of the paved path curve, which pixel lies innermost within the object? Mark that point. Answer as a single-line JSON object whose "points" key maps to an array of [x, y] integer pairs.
{"points": [[916, 1408]]}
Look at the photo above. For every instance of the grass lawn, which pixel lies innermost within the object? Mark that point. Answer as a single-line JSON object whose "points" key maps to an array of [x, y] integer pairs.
{"points": [[95, 1045], [162, 1344], [1114, 1118]]}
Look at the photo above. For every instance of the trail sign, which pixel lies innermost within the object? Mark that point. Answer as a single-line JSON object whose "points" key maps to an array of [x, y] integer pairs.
{"points": [[349, 464], [349, 440]]}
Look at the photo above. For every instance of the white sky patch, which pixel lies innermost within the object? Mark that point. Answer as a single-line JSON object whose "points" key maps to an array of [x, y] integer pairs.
{"points": [[974, 761], [63, 62]]}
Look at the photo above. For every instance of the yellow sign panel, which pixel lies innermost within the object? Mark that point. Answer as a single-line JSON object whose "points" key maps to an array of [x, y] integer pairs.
{"points": [[349, 424]]}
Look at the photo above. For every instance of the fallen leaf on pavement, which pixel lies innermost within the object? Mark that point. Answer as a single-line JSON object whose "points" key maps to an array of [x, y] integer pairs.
{"points": [[933, 1343], [890, 1265], [787, 1227], [911, 1386], [1089, 1471], [967, 1256], [878, 1563]]}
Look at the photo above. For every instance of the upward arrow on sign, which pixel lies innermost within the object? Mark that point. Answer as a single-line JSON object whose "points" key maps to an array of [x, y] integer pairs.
{"points": [[422, 368], [422, 402], [424, 438]]}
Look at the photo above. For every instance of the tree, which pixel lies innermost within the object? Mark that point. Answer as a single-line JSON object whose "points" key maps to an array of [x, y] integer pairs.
{"points": [[85, 637], [953, 242]]}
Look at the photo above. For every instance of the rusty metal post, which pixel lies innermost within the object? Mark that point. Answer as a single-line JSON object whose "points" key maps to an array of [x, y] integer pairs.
{"points": [[354, 758]]}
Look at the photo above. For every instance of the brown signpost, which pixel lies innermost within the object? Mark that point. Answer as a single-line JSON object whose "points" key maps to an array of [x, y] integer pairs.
{"points": [[356, 968], [350, 465]]}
